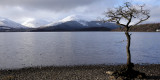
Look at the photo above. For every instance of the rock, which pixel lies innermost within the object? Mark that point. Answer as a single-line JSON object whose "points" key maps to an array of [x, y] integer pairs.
{"points": [[141, 76], [109, 72], [112, 78], [120, 78], [8, 78]]}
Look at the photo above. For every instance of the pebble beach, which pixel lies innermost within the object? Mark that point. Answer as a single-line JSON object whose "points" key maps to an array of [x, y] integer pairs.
{"points": [[83, 72]]}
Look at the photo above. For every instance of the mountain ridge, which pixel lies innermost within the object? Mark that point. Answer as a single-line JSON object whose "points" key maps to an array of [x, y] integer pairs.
{"points": [[150, 27], [9, 23], [78, 26]]}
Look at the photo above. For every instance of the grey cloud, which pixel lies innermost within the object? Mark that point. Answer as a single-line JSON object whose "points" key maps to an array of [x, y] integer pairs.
{"points": [[18, 10], [154, 12], [56, 5]]}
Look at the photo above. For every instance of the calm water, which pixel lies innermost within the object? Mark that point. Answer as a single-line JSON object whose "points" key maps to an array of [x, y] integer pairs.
{"points": [[18, 50]]}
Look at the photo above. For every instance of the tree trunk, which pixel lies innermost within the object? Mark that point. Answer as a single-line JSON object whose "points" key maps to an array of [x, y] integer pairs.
{"points": [[128, 48]]}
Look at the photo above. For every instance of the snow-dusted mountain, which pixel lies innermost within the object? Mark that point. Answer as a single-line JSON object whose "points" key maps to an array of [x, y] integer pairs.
{"points": [[8, 24], [77, 18], [73, 23], [35, 23], [70, 23]]}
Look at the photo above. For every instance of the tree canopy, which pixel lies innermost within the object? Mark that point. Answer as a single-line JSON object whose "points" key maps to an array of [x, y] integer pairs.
{"points": [[132, 15]]}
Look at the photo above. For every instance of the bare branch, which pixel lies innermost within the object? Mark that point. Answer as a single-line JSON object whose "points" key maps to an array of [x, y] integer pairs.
{"points": [[141, 20], [120, 24], [127, 13], [145, 14]]}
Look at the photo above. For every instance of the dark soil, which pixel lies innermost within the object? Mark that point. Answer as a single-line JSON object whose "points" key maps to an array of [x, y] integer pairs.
{"points": [[90, 72]]}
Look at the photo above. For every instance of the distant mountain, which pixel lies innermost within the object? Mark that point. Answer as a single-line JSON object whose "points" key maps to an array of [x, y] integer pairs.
{"points": [[70, 23], [7, 25], [77, 18], [152, 27], [74, 23], [35, 23], [95, 29]]}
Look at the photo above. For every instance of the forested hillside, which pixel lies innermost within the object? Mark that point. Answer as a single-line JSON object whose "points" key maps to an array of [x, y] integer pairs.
{"points": [[143, 28]]}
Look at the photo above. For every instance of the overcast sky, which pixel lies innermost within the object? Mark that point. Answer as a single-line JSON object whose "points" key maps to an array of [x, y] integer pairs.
{"points": [[53, 10]]}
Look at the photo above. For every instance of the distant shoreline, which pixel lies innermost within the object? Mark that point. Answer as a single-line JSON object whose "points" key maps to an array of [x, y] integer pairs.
{"points": [[76, 31], [84, 72]]}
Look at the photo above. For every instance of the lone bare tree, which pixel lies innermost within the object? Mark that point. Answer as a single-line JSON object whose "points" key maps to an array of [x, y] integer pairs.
{"points": [[127, 16]]}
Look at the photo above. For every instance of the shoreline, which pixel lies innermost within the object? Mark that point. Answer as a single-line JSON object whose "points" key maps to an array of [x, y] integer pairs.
{"points": [[82, 72], [77, 31]]}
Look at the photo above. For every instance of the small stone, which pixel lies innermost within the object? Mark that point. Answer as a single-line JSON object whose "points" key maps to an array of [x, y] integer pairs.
{"points": [[109, 72], [112, 78], [119, 78], [8, 78], [139, 76]]}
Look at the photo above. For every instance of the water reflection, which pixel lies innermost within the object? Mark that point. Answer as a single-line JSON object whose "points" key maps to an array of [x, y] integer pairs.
{"points": [[75, 48]]}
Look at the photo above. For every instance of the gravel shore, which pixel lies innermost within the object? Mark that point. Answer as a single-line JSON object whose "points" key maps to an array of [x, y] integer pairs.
{"points": [[89, 72]]}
